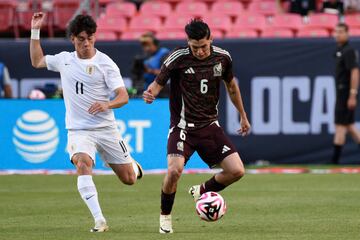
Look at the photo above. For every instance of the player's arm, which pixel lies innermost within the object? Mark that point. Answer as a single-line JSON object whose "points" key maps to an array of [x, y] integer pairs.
{"points": [[352, 64], [235, 96], [7, 83], [121, 99], [152, 91], [157, 85], [354, 86], [36, 52]]}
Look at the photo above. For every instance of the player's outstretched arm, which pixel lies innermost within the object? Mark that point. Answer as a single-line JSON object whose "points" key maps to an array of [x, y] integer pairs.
{"points": [[122, 98], [153, 90], [235, 96], [36, 52]]}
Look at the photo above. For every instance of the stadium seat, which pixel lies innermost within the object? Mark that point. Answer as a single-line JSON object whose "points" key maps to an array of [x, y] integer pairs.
{"points": [[320, 20], [103, 3], [161, 9], [354, 32], [242, 33], [106, 35], [171, 35], [131, 35], [221, 23], [62, 17], [287, 21], [63, 12], [115, 24], [196, 9], [7, 17], [145, 23], [250, 21], [313, 32], [353, 20], [176, 22], [120, 9], [267, 8], [231, 8], [277, 33], [217, 34]]}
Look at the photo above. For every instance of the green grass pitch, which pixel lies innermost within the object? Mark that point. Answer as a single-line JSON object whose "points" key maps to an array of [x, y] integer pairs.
{"points": [[305, 206]]}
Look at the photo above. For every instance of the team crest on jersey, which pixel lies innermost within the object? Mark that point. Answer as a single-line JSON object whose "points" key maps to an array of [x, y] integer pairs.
{"points": [[218, 70], [180, 146], [90, 69]]}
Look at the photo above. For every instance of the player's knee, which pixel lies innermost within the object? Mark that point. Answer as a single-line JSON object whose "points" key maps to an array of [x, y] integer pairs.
{"points": [[174, 173], [238, 173], [82, 162], [129, 179]]}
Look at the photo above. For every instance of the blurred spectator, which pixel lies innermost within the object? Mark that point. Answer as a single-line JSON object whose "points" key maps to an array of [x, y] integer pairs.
{"points": [[37, 94], [5, 83], [352, 6], [302, 7], [147, 66], [333, 7]]}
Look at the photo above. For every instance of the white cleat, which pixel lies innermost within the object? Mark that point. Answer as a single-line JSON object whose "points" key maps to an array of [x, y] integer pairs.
{"points": [[165, 224], [194, 191], [100, 226]]}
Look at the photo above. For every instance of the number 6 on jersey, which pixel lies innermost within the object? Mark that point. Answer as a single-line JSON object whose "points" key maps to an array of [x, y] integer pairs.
{"points": [[203, 86]]}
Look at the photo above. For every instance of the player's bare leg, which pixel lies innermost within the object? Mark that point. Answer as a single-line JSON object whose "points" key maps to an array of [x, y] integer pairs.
{"points": [[232, 171], [87, 190], [354, 132], [175, 168], [127, 173], [339, 141]]}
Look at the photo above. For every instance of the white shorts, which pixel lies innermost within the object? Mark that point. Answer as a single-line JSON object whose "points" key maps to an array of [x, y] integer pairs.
{"points": [[106, 141]]}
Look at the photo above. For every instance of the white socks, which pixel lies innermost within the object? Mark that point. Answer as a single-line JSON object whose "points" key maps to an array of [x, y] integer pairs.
{"points": [[89, 194]]}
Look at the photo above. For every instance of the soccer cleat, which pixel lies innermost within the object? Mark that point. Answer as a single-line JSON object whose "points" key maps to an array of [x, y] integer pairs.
{"points": [[100, 226], [165, 224], [194, 191], [141, 172]]}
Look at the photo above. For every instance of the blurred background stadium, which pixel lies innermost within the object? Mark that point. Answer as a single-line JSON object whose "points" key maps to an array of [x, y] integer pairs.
{"points": [[283, 55]]}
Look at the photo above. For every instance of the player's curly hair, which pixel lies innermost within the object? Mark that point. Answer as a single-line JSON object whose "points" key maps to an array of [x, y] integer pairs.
{"points": [[82, 23], [197, 29]]}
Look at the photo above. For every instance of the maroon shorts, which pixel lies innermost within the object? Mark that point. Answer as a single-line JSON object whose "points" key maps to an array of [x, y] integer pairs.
{"points": [[211, 143]]}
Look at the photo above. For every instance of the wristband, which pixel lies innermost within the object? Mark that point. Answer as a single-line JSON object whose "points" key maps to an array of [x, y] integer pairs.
{"points": [[35, 34], [353, 91]]}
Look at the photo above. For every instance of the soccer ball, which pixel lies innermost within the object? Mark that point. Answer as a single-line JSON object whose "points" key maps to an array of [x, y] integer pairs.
{"points": [[211, 206]]}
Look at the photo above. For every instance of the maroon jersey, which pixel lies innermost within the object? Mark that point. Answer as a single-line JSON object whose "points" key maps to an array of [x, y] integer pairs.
{"points": [[195, 86]]}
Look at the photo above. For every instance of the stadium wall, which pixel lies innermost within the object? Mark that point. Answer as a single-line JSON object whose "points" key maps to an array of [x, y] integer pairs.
{"points": [[287, 85]]}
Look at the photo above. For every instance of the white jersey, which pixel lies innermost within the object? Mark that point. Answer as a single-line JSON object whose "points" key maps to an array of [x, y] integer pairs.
{"points": [[84, 82]]}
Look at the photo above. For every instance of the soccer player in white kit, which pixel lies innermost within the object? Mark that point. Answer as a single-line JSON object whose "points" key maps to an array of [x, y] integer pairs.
{"points": [[88, 77]]}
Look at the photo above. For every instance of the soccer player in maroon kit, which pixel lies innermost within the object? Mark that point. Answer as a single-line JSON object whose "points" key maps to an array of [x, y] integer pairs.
{"points": [[196, 72]]}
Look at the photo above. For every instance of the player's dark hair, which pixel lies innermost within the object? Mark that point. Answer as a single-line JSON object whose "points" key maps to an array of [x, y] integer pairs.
{"points": [[343, 25], [82, 23], [197, 29], [151, 35]]}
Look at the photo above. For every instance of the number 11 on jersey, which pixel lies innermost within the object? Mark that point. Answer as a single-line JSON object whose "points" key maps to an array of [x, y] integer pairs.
{"points": [[79, 88]]}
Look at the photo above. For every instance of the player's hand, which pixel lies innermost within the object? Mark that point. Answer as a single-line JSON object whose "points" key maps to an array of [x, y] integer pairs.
{"points": [[244, 127], [37, 20], [98, 107], [352, 101], [148, 96]]}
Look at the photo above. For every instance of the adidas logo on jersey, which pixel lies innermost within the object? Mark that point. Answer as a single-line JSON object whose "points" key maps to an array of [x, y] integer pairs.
{"points": [[225, 149], [190, 71]]}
